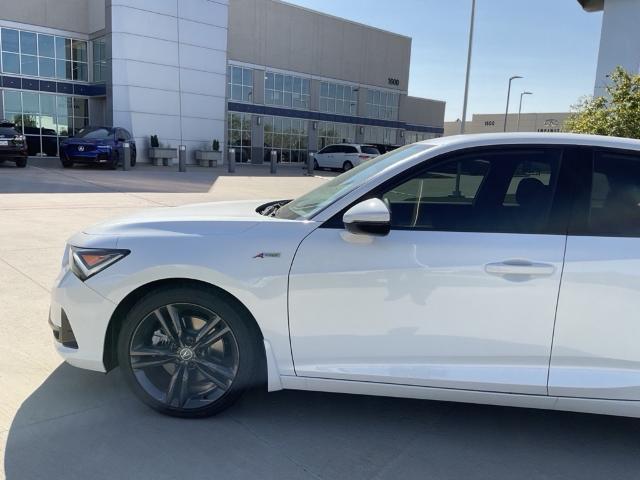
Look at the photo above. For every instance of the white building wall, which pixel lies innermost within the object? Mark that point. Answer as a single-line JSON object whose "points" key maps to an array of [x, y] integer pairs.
{"points": [[620, 40], [169, 70]]}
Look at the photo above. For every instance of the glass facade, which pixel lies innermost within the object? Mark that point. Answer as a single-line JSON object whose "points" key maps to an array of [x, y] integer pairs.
{"points": [[100, 60], [338, 98], [288, 136], [42, 55], [44, 118], [412, 137], [287, 90], [239, 135], [330, 132], [239, 84], [382, 104], [381, 135]]}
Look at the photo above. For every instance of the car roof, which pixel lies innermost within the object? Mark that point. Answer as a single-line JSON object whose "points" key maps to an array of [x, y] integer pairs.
{"points": [[489, 139]]}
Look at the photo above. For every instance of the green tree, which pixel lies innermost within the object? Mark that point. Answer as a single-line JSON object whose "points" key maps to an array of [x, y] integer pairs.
{"points": [[617, 114]]}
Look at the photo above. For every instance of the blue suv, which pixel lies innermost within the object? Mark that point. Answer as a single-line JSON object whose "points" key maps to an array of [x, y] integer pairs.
{"points": [[96, 145]]}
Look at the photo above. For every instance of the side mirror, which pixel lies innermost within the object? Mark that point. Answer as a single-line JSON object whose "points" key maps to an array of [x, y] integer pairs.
{"points": [[370, 217]]}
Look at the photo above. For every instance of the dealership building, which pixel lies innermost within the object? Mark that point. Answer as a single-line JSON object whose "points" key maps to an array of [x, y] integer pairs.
{"points": [[257, 75], [619, 38]]}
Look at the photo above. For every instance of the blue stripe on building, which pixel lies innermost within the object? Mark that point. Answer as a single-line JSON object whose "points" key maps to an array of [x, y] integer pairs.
{"points": [[51, 86], [329, 117]]}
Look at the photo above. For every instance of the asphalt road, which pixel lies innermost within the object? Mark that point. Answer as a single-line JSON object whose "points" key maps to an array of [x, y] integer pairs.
{"points": [[60, 422]]}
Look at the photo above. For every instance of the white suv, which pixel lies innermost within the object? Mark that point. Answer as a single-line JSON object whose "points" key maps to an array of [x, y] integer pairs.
{"points": [[344, 156]]}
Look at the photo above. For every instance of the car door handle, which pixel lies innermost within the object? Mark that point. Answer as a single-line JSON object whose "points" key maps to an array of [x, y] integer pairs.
{"points": [[519, 267]]}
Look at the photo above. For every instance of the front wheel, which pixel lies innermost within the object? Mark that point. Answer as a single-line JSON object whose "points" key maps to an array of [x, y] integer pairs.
{"points": [[315, 165], [21, 162], [115, 161], [187, 352]]}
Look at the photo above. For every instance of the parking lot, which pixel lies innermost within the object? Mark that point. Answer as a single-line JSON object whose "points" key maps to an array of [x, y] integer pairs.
{"points": [[57, 421]]}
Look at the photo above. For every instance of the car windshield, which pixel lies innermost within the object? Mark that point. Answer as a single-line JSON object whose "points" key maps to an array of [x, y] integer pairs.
{"points": [[313, 202], [8, 132], [89, 133]]}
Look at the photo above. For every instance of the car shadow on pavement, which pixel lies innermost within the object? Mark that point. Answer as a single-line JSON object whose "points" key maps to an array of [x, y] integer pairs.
{"points": [[81, 425]]}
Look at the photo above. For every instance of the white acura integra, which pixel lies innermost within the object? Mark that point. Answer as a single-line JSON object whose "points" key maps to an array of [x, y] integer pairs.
{"points": [[499, 269]]}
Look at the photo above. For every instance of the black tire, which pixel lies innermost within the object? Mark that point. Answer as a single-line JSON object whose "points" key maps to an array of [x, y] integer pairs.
{"points": [[21, 162], [315, 165], [134, 154], [160, 380], [346, 166], [115, 161]]}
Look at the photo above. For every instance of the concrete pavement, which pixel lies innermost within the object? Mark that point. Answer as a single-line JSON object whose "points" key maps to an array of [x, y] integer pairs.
{"points": [[60, 422]]}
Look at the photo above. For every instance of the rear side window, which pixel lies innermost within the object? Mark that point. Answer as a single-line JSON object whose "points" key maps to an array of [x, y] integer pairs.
{"points": [[615, 195], [369, 150], [348, 149]]}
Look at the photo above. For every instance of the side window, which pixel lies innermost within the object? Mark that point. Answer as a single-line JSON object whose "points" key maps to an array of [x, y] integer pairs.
{"points": [[350, 149], [615, 195], [328, 149], [507, 191], [439, 198]]}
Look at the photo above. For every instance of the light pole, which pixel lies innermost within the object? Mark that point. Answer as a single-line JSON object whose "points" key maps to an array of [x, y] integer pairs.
{"points": [[466, 83], [520, 108], [506, 114]]}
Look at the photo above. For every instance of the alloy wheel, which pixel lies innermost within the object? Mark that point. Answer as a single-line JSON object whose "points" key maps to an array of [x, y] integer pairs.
{"points": [[184, 355]]}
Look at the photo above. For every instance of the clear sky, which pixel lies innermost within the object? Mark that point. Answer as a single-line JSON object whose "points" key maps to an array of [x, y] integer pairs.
{"points": [[552, 43]]}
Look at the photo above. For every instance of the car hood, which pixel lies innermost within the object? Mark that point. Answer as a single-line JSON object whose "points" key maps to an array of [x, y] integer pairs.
{"points": [[216, 218], [87, 141]]}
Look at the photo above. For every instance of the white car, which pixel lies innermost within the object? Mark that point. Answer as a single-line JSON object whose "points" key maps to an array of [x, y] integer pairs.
{"points": [[499, 269], [344, 156]]}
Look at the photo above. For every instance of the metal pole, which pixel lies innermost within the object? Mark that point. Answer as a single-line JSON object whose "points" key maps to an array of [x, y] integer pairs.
{"points": [[310, 163], [466, 83], [182, 158], [506, 113], [231, 163], [274, 161], [520, 107], [126, 156]]}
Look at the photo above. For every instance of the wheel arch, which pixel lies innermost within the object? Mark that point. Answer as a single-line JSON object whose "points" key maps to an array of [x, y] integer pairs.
{"points": [[116, 321]]}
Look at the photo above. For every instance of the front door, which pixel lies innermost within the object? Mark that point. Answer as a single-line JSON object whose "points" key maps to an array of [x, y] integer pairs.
{"points": [[461, 294]]}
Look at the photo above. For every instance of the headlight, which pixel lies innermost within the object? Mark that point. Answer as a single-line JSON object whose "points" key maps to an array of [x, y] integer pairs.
{"points": [[86, 262]]}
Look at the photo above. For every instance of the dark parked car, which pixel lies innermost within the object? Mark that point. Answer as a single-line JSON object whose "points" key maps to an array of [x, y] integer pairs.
{"points": [[96, 145], [383, 148], [13, 145]]}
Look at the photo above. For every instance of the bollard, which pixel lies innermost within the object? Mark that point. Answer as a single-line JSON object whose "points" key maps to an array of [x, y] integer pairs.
{"points": [[310, 163], [126, 156], [182, 158], [274, 161], [231, 160]]}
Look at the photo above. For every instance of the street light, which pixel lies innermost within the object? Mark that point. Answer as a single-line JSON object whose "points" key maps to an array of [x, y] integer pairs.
{"points": [[466, 83], [520, 108], [506, 114]]}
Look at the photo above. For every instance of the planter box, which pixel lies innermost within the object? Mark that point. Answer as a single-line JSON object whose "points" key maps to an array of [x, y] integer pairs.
{"points": [[162, 156], [208, 158]]}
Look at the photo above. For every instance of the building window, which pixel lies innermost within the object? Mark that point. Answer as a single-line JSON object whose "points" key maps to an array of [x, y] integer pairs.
{"points": [[239, 84], [239, 135], [413, 137], [288, 136], [381, 135], [100, 63], [381, 104], [330, 133], [337, 98], [287, 90], [41, 55], [44, 118]]}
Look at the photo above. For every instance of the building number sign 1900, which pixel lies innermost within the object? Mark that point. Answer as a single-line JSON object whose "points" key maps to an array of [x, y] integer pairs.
{"points": [[394, 81]]}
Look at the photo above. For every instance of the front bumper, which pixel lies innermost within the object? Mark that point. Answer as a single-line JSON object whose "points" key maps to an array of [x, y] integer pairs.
{"points": [[12, 154], [94, 156], [79, 318]]}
